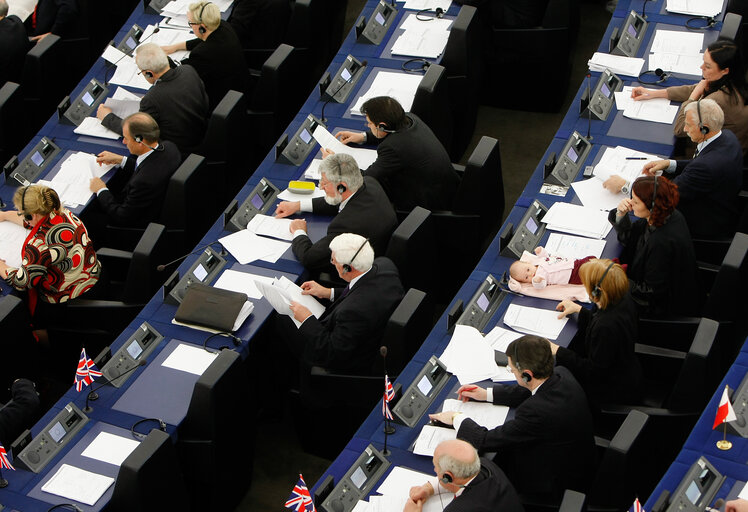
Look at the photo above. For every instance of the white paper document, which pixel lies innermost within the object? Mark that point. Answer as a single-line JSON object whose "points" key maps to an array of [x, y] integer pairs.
{"points": [[246, 247], [499, 338], [695, 7], [364, 157], [419, 5], [110, 448], [575, 247], [312, 171], [658, 110], [484, 414], [280, 293], [619, 65], [578, 220], [190, 359], [112, 54], [421, 39], [540, 322], [401, 86], [400, 480], [123, 103], [92, 127], [430, 437], [73, 180], [396, 502], [673, 62], [242, 282], [469, 356], [78, 484], [12, 237], [266, 225], [287, 195], [128, 74], [744, 493], [675, 41]]}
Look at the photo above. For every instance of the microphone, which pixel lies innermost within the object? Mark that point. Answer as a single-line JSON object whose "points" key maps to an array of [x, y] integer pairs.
{"points": [[589, 110], [322, 115], [93, 395], [717, 506], [162, 267], [644, 9]]}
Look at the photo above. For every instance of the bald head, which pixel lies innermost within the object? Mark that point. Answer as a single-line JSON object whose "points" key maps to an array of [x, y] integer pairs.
{"points": [[456, 458]]}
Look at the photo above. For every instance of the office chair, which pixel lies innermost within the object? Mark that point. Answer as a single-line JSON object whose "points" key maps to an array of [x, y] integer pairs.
{"points": [[150, 478], [731, 27], [21, 348], [412, 248], [462, 61], [573, 501], [42, 94], [12, 136], [431, 104]]}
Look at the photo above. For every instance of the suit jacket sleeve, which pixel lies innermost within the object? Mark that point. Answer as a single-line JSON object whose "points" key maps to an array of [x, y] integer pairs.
{"points": [[386, 164], [114, 122], [17, 414], [313, 256], [66, 14], [693, 184], [320, 207], [602, 342], [527, 426], [512, 395]]}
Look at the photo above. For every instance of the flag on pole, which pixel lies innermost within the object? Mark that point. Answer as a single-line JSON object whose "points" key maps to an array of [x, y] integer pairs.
{"points": [[4, 462], [638, 506], [300, 499], [389, 395], [725, 412], [86, 372]]}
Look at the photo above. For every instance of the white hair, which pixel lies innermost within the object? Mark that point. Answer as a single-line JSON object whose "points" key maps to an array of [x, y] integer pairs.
{"points": [[708, 113], [150, 56], [460, 469], [344, 247], [342, 167], [206, 13]]}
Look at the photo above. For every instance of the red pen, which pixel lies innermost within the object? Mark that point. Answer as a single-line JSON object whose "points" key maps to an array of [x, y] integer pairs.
{"points": [[470, 389]]}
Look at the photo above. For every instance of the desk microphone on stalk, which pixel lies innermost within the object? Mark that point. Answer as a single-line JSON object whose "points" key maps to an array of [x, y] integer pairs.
{"points": [[345, 82], [112, 65], [93, 395], [589, 110], [163, 266]]}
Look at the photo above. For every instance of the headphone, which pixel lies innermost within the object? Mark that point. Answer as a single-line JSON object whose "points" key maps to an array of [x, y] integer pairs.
{"points": [[347, 266], [383, 128], [201, 28], [341, 190], [138, 435], [439, 14], [525, 374], [139, 140], [27, 216], [704, 129], [597, 291], [420, 65], [654, 194]]}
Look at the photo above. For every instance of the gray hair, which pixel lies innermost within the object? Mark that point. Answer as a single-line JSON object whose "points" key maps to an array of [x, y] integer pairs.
{"points": [[3, 8], [459, 468], [709, 112], [342, 167], [150, 56], [345, 246]]}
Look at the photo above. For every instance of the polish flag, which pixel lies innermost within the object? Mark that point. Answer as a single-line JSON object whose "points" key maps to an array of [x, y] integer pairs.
{"points": [[725, 412]]}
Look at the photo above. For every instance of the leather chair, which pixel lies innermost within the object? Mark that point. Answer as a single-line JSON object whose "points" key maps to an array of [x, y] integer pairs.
{"points": [[42, 94], [462, 60], [12, 136], [20, 348], [731, 27], [412, 249], [431, 104], [573, 501]]}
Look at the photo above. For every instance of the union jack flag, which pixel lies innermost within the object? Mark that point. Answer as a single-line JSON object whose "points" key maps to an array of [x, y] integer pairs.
{"points": [[4, 462], [638, 506], [86, 372], [300, 499], [389, 395]]}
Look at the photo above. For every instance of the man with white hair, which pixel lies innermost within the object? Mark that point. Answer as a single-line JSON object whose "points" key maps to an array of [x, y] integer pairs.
{"points": [[346, 336], [177, 100], [359, 204], [478, 485], [708, 184]]}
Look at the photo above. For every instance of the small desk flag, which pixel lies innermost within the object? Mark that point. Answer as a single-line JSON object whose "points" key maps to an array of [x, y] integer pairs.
{"points": [[389, 395], [638, 506], [300, 499], [4, 462], [725, 412], [86, 372]]}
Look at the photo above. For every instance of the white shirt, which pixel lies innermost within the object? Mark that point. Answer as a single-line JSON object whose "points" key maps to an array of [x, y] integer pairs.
{"points": [[138, 161]]}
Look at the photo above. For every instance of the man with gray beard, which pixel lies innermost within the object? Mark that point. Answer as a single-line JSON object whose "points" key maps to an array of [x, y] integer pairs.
{"points": [[359, 205]]}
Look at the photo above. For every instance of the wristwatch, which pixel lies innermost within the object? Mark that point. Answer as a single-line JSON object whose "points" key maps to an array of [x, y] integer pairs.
{"points": [[626, 188]]}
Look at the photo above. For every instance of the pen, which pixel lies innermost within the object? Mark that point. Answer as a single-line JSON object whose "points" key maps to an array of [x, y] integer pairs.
{"points": [[470, 388], [636, 158]]}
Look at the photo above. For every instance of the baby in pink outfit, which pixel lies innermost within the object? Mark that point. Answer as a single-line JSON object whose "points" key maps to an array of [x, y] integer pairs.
{"points": [[542, 269]]}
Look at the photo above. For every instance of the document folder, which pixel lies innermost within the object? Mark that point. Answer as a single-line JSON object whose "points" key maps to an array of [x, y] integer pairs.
{"points": [[210, 307]]}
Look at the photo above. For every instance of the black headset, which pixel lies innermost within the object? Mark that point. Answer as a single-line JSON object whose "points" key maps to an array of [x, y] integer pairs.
{"points": [[26, 216], [597, 291], [201, 28], [704, 129], [148, 74], [139, 140], [138, 435], [654, 194], [383, 127], [341, 190], [347, 266], [525, 375]]}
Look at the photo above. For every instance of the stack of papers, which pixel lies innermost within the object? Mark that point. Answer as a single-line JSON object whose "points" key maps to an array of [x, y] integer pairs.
{"points": [[695, 7], [12, 237], [677, 51], [312, 171], [169, 35], [621, 161], [123, 102], [540, 322], [499, 339], [578, 220], [401, 86], [242, 282], [364, 157], [246, 247], [270, 226], [78, 484], [128, 74], [483, 413], [419, 5], [73, 180], [280, 293], [575, 247], [470, 357], [619, 65], [657, 110], [92, 127], [395, 490], [422, 39]]}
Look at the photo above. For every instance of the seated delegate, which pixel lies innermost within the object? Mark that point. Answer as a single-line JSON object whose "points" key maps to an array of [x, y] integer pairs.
{"points": [[724, 82], [412, 165], [657, 248], [359, 204], [548, 447], [19, 413], [601, 355], [15, 44]]}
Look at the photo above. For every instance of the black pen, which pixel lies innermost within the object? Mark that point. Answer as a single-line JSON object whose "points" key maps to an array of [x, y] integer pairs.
{"points": [[636, 158]]}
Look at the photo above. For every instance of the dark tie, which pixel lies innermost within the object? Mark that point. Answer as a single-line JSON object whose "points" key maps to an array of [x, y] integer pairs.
{"points": [[345, 291]]}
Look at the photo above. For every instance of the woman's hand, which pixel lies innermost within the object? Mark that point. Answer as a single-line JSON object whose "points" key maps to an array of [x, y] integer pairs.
{"points": [[626, 205], [567, 307]]}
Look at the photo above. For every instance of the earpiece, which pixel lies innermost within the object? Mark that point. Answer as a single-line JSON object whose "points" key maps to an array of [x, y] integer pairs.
{"points": [[139, 140], [147, 74], [446, 478], [347, 266], [201, 29], [341, 189], [597, 291], [704, 129], [654, 195], [383, 128]]}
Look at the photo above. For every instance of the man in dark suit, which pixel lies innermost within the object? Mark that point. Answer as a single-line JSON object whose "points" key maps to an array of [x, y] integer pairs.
{"points": [[177, 100], [56, 17], [216, 53], [412, 165], [359, 204], [20, 412], [548, 446], [346, 336], [134, 197], [708, 184], [478, 485], [14, 43]]}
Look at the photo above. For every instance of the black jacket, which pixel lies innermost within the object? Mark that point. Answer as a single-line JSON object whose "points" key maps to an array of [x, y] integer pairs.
{"points": [[489, 491], [56, 16], [14, 43], [260, 23], [18, 414]]}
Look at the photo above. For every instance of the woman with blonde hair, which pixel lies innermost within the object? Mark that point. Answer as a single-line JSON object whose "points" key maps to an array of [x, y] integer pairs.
{"points": [[58, 263], [601, 356]]}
